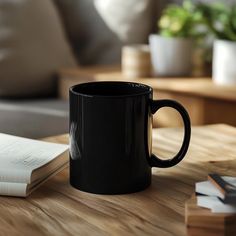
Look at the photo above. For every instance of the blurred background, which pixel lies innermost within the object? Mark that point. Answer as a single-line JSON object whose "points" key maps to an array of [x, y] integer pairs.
{"points": [[185, 50]]}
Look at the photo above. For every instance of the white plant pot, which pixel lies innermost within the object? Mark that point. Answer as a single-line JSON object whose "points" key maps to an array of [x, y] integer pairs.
{"points": [[224, 62], [171, 56]]}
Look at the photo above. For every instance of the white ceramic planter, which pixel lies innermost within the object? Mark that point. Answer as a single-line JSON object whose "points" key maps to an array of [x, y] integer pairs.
{"points": [[171, 56], [224, 62]]}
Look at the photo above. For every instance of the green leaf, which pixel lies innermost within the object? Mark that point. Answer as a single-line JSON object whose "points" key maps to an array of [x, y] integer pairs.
{"points": [[218, 19]]}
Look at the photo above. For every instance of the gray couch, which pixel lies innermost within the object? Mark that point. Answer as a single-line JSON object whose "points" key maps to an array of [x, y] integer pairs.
{"points": [[34, 118]]}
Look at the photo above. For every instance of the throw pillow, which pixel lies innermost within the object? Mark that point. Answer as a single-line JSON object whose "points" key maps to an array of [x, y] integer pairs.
{"points": [[33, 47], [99, 28]]}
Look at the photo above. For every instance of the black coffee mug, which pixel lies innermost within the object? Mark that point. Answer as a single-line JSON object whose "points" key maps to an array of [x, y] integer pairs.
{"points": [[110, 136]]}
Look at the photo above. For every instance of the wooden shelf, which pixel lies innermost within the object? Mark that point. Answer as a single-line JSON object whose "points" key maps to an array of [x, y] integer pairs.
{"points": [[205, 101]]}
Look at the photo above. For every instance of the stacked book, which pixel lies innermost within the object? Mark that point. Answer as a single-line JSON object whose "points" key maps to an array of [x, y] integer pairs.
{"points": [[25, 164], [212, 208], [217, 196]]}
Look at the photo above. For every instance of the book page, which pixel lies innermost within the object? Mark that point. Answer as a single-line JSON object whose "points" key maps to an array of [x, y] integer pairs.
{"points": [[207, 188], [215, 204], [13, 189], [20, 156], [23, 189]]}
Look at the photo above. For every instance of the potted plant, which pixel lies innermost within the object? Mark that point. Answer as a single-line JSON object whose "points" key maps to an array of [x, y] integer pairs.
{"points": [[222, 22], [172, 48]]}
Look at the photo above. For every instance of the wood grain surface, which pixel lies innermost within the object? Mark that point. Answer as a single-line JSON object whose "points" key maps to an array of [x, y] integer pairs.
{"points": [[58, 209]]}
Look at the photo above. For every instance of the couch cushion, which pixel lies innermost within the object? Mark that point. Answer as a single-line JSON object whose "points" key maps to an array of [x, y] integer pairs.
{"points": [[99, 28], [33, 47], [34, 118]]}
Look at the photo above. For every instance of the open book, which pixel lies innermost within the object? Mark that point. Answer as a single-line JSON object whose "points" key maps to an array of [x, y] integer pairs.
{"points": [[27, 163]]}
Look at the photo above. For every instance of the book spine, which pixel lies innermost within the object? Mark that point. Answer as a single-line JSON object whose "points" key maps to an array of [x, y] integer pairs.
{"points": [[15, 175], [13, 189]]}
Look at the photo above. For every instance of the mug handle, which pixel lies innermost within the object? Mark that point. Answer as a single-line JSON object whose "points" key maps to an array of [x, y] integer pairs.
{"points": [[155, 106]]}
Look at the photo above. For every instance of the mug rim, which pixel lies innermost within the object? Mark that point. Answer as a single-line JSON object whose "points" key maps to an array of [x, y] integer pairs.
{"points": [[146, 89]]}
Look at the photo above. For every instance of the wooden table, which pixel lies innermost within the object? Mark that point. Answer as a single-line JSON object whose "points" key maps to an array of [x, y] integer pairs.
{"points": [[58, 209], [206, 102]]}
